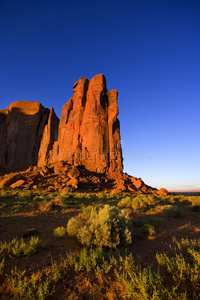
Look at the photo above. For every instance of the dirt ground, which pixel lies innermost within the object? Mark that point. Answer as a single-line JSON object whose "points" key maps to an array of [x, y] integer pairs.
{"points": [[83, 285]]}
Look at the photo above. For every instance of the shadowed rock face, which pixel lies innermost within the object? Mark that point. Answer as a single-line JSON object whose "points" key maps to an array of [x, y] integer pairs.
{"points": [[50, 135], [21, 129], [89, 129]]}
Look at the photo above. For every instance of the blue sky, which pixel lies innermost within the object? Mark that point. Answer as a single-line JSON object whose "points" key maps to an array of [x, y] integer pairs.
{"points": [[149, 50]]}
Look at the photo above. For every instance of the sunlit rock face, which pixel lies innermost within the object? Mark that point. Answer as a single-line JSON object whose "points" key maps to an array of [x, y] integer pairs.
{"points": [[87, 134], [21, 129], [89, 129]]}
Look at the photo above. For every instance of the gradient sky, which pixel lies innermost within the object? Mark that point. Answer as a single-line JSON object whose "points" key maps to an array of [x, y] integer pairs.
{"points": [[149, 50]]}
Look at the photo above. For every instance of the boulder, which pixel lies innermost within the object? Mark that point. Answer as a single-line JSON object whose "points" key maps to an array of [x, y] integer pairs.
{"points": [[73, 182], [74, 173], [17, 184], [162, 192], [137, 182], [10, 179]]}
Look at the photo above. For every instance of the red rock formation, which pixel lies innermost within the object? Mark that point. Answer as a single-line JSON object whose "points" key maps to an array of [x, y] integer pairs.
{"points": [[50, 135], [21, 129], [89, 129], [82, 151]]}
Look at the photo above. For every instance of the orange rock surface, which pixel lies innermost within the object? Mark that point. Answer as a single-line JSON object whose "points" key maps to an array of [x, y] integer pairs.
{"points": [[89, 129]]}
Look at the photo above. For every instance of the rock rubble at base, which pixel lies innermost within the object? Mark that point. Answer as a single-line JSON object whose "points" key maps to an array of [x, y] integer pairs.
{"points": [[66, 178]]}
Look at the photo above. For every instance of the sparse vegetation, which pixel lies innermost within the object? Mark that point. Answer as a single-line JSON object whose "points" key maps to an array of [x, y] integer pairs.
{"points": [[170, 211], [59, 232], [19, 248], [101, 221], [148, 230], [73, 226]]}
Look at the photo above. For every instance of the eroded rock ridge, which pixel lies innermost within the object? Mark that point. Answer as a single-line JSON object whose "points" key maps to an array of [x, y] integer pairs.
{"points": [[82, 150], [87, 134]]}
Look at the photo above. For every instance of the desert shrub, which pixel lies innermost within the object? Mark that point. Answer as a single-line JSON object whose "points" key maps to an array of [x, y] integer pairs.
{"points": [[141, 203], [129, 212], [58, 201], [36, 285], [183, 261], [148, 230], [144, 283], [51, 204], [125, 202], [171, 200], [170, 211], [195, 200], [21, 248], [184, 245], [86, 211], [2, 264], [73, 226], [106, 227], [59, 232], [97, 259]]}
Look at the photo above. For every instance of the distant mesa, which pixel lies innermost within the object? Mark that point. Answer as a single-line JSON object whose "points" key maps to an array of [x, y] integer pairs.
{"points": [[85, 141]]}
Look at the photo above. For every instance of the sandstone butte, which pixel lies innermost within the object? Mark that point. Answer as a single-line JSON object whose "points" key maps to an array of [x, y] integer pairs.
{"points": [[81, 151]]}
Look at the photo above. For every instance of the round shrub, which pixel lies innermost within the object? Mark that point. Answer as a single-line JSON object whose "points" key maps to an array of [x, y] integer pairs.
{"points": [[148, 230], [170, 211], [59, 232], [125, 202], [73, 226], [106, 227]]}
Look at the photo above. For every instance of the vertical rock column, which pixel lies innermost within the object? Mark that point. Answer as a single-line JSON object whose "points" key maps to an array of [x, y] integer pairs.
{"points": [[50, 135], [69, 137], [89, 128]]}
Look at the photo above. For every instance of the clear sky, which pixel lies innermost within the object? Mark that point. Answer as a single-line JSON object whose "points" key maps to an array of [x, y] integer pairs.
{"points": [[149, 50]]}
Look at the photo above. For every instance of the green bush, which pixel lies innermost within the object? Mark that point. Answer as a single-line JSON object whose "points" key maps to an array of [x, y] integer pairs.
{"points": [[148, 230], [125, 202], [183, 260], [20, 248], [129, 212], [170, 211], [59, 232], [106, 227], [51, 204], [86, 211], [73, 226]]}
